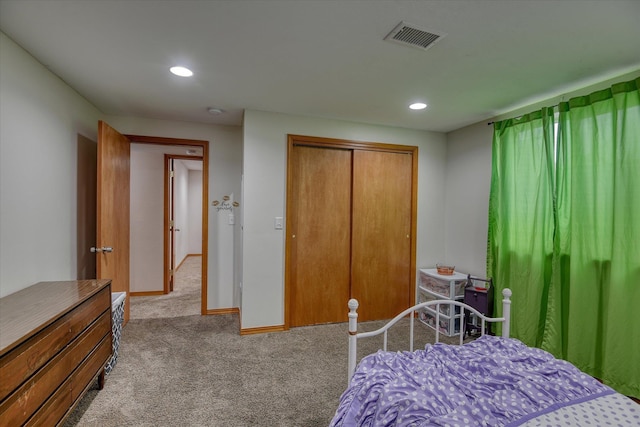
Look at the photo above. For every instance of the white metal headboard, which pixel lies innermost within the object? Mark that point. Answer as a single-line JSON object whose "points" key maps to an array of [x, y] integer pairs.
{"points": [[354, 336]]}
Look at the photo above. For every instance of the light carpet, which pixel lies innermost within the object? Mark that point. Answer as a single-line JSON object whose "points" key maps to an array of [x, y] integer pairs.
{"points": [[183, 301], [198, 371]]}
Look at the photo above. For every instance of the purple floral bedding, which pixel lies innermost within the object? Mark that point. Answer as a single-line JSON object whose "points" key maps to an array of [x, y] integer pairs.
{"points": [[491, 381]]}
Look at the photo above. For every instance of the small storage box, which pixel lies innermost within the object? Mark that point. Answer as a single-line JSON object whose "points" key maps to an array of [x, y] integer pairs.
{"points": [[449, 287], [446, 309], [117, 320]]}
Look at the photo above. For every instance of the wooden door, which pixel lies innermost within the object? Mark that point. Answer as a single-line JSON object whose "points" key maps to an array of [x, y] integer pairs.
{"points": [[318, 234], [381, 233], [112, 222]]}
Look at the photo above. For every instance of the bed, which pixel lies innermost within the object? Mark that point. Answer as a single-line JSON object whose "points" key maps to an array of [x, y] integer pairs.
{"points": [[490, 381]]}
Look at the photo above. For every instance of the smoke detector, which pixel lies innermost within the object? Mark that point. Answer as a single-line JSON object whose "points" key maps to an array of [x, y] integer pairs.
{"points": [[215, 111], [413, 36]]}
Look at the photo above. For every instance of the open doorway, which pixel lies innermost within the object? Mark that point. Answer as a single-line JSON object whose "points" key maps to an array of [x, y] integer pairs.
{"points": [[183, 214], [88, 200], [166, 230]]}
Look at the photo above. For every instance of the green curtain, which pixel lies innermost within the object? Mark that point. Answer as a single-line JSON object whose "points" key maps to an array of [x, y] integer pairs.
{"points": [[564, 231], [593, 317], [520, 241]]}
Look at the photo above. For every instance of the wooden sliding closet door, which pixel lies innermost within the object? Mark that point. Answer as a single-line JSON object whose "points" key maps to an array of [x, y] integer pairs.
{"points": [[319, 234], [351, 210], [381, 233]]}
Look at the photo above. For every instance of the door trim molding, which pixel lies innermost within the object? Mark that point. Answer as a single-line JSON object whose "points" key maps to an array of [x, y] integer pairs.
{"points": [[156, 140], [168, 214], [167, 204], [313, 141]]}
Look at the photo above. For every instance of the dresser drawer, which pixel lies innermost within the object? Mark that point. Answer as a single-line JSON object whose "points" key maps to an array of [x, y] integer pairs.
{"points": [[446, 309], [25, 360], [62, 401], [20, 405], [446, 287]]}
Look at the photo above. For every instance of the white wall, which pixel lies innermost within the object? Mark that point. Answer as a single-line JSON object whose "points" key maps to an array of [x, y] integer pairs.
{"points": [[264, 165], [40, 119], [147, 220], [181, 211], [225, 165], [468, 179], [194, 220], [225, 226]]}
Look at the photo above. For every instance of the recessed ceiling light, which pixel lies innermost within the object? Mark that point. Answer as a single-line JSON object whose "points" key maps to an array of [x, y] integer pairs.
{"points": [[418, 106], [215, 111], [181, 71]]}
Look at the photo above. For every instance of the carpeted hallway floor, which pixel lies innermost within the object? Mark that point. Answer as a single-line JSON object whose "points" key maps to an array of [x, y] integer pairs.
{"points": [[176, 368], [183, 301]]}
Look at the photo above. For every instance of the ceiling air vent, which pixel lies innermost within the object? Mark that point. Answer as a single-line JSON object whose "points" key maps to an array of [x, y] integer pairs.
{"points": [[410, 35]]}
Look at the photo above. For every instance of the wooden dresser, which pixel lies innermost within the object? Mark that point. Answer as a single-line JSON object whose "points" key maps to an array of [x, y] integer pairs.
{"points": [[55, 339]]}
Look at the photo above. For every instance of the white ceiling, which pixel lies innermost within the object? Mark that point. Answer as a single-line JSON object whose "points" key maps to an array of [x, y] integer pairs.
{"points": [[326, 58]]}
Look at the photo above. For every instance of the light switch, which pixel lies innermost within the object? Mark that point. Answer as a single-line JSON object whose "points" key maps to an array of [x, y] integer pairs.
{"points": [[232, 219], [278, 223]]}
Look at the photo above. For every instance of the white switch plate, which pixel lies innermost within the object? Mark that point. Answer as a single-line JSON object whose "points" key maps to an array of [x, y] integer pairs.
{"points": [[232, 219], [278, 223]]}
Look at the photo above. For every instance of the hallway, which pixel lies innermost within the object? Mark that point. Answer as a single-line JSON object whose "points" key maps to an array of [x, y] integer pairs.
{"points": [[183, 301]]}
